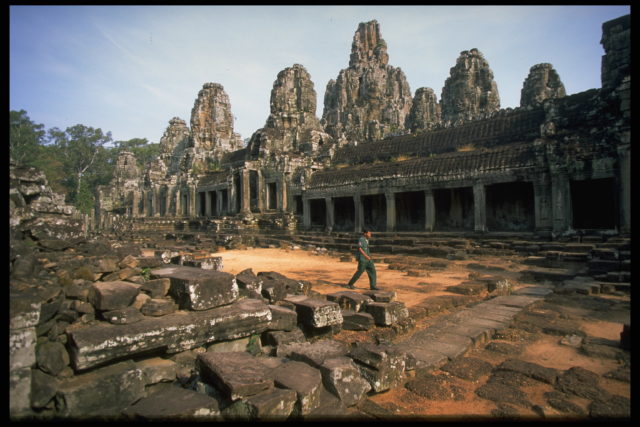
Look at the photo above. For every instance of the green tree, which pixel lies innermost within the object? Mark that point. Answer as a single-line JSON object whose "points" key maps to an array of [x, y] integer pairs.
{"points": [[25, 138], [82, 150], [144, 150]]}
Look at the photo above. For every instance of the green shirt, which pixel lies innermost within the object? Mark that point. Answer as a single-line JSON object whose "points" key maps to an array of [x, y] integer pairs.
{"points": [[364, 244]]}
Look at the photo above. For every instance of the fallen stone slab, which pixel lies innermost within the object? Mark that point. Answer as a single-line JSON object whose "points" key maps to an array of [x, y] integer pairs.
{"points": [[277, 338], [352, 321], [22, 348], [305, 380], [157, 369], [93, 345], [104, 391], [342, 378], [175, 403], [275, 404], [350, 300], [381, 295], [518, 301], [20, 394], [547, 273], [157, 288], [282, 318], [317, 352], [503, 393], [477, 333], [197, 289], [158, 307], [532, 370], [581, 382], [419, 359], [113, 295], [468, 368], [235, 374], [450, 345], [387, 313], [382, 366], [246, 279], [315, 312]]}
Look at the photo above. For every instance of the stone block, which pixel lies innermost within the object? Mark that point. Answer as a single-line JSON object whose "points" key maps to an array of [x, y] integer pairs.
{"points": [[236, 374], [43, 388], [106, 264], [275, 404], [382, 366], [421, 360], [19, 392], [24, 310], [22, 348], [114, 295], [387, 313], [173, 403], [315, 312], [450, 345], [342, 378], [353, 321], [381, 296], [52, 357], [197, 289], [105, 390], [158, 307], [239, 344], [277, 338], [350, 300], [282, 318], [305, 380], [123, 316], [246, 279], [157, 288], [156, 370], [180, 331], [317, 352]]}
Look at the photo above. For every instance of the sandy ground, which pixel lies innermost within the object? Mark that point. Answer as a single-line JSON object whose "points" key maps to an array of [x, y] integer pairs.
{"points": [[328, 274]]}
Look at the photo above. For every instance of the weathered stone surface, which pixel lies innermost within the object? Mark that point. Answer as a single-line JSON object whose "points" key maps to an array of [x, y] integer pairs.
{"points": [[317, 352], [20, 391], [420, 359], [246, 279], [370, 99], [381, 296], [123, 316], [381, 365], [158, 307], [93, 345], [22, 348], [157, 370], [304, 379], [341, 377], [43, 388], [470, 90], [503, 393], [212, 122], [52, 357], [315, 312], [106, 390], [197, 289], [387, 313], [175, 403], [276, 286], [157, 288], [353, 321], [236, 374], [277, 338], [292, 125], [533, 370], [468, 368], [350, 300], [113, 295], [425, 111], [282, 318], [239, 344], [542, 83], [434, 387], [581, 382], [275, 404]]}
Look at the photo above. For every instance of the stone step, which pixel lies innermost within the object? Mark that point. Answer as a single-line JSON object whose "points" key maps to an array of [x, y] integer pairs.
{"points": [[551, 274]]}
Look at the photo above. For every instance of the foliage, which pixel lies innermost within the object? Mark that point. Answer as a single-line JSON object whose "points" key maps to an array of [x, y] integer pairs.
{"points": [[144, 151], [25, 138]]}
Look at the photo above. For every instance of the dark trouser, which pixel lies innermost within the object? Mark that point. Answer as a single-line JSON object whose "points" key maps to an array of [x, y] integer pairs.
{"points": [[365, 264]]}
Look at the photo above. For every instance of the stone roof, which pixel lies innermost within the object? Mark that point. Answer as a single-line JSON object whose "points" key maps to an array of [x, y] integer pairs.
{"points": [[504, 127], [213, 178], [442, 166]]}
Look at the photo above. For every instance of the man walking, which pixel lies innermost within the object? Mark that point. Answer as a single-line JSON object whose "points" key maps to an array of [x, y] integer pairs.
{"points": [[364, 262]]}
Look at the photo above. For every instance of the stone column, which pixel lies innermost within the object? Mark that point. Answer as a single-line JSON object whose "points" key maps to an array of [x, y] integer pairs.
{"points": [[281, 189], [156, 201], [624, 154], [192, 202], [542, 204], [479, 208], [135, 201], [246, 196], [178, 194], [207, 203], [262, 191], [561, 202], [218, 211], [391, 210], [306, 213], [330, 214], [429, 211], [359, 214]]}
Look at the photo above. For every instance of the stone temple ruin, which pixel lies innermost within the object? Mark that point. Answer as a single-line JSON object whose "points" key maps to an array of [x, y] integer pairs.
{"points": [[98, 326]]}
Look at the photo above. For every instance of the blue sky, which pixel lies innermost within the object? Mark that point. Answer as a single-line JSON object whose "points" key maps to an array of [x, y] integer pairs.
{"points": [[130, 69]]}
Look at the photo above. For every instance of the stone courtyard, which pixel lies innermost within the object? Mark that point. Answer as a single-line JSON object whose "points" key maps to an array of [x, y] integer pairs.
{"points": [[212, 284]]}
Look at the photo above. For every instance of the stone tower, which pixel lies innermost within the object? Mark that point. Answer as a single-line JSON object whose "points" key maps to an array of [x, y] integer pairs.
{"points": [[370, 99], [425, 111], [212, 123], [470, 91], [292, 125], [542, 83]]}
